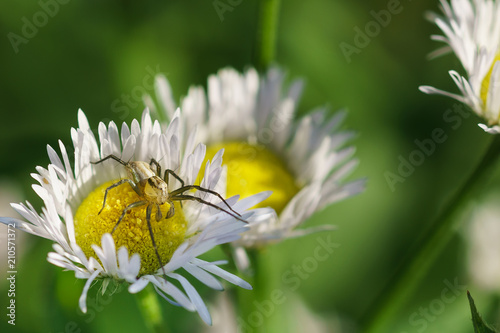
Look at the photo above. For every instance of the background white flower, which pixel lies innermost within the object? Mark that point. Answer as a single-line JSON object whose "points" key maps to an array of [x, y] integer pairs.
{"points": [[471, 29], [256, 111], [62, 189], [482, 237], [300, 318]]}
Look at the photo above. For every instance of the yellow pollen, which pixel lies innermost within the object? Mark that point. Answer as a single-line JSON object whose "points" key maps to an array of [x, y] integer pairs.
{"points": [[133, 232], [485, 85], [254, 168]]}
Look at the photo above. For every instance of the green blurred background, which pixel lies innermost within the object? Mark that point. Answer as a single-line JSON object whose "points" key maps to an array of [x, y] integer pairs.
{"points": [[89, 54]]}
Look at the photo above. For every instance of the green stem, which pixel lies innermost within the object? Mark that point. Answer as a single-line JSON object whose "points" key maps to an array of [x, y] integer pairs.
{"points": [[246, 298], [415, 266], [149, 306], [267, 27]]}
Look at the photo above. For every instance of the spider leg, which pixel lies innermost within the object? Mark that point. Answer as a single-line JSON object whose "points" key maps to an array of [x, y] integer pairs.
{"points": [[154, 163], [199, 188], [148, 219], [171, 211], [113, 157], [159, 215], [165, 178], [125, 180], [171, 172], [129, 207], [190, 197]]}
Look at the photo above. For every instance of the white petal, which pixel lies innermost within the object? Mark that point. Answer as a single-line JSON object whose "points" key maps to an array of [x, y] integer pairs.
{"points": [[170, 289], [491, 130], [164, 94], [203, 277], [195, 298], [223, 274], [138, 286], [83, 298]]}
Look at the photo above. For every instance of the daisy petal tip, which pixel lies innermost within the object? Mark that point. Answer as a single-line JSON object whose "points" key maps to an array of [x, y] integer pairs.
{"points": [[139, 285], [82, 119], [6, 220], [266, 194], [426, 89], [245, 285], [208, 320], [490, 130], [82, 303]]}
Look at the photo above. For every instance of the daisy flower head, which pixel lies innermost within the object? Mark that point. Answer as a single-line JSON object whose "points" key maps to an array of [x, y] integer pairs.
{"points": [[252, 117], [471, 30], [84, 225]]}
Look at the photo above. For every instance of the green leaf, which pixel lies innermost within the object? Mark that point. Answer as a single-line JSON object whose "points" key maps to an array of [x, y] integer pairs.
{"points": [[479, 325]]}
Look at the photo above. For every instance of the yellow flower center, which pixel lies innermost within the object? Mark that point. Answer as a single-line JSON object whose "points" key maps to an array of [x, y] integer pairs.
{"points": [[254, 168], [133, 232], [485, 85]]}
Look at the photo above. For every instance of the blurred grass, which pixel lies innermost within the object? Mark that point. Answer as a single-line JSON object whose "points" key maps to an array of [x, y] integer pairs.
{"points": [[91, 53]]}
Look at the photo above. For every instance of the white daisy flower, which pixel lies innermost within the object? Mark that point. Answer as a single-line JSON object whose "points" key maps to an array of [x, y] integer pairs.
{"points": [[73, 198], [471, 30], [302, 161]]}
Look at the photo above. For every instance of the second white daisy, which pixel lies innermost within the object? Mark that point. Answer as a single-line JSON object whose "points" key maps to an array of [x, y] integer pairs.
{"points": [[304, 162]]}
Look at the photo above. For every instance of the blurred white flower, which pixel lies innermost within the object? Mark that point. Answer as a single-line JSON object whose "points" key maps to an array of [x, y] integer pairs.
{"points": [[299, 317], [471, 30], [484, 248], [303, 161]]}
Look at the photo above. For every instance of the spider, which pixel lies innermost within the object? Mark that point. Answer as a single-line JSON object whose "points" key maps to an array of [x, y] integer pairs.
{"points": [[145, 179]]}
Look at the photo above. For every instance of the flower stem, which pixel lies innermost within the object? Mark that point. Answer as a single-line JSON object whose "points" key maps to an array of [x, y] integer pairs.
{"points": [[419, 260], [247, 299], [267, 26], [150, 308]]}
